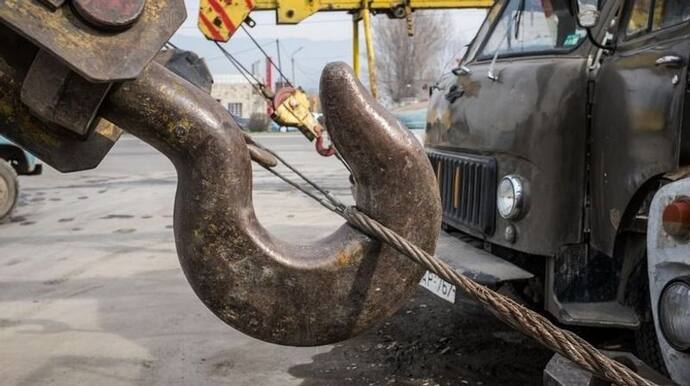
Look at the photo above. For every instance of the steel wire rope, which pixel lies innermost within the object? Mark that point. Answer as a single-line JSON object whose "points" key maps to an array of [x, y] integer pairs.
{"points": [[505, 309]]}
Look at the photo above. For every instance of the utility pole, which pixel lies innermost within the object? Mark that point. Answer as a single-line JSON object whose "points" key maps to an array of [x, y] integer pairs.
{"points": [[280, 62], [371, 57], [269, 80], [292, 64]]}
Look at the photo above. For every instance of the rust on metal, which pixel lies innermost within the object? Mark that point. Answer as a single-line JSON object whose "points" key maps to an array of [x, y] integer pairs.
{"points": [[57, 95], [53, 4], [98, 56], [53, 145], [110, 14], [261, 156], [281, 292]]}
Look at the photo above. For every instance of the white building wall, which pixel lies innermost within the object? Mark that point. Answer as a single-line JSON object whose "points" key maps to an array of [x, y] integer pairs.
{"points": [[234, 89]]}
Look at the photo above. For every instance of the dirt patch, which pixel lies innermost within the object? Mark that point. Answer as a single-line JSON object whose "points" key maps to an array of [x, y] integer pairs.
{"points": [[431, 342]]}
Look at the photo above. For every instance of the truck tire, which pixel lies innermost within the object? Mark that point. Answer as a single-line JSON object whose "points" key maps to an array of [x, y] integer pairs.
{"points": [[646, 339], [9, 190]]}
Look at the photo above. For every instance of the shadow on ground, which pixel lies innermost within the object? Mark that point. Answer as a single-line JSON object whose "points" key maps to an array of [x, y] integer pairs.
{"points": [[431, 342]]}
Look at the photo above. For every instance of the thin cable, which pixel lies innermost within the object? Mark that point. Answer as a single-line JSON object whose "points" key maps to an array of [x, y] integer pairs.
{"points": [[268, 57], [236, 62], [236, 53], [342, 161], [328, 204], [280, 57], [172, 45], [246, 74], [257, 84], [313, 184], [505, 309]]}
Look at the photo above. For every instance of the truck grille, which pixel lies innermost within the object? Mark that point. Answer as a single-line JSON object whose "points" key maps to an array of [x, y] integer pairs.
{"points": [[468, 189]]}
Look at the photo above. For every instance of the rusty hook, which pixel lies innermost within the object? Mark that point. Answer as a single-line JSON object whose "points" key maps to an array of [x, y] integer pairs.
{"points": [[276, 291]]}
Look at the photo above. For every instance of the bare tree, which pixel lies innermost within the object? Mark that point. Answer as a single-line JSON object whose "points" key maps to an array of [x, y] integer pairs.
{"points": [[404, 64]]}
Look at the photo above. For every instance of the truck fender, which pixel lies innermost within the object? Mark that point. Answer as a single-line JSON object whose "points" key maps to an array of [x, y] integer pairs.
{"points": [[667, 258]]}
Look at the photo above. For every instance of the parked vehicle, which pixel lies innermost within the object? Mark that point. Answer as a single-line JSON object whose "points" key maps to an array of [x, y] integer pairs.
{"points": [[242, 122], [551, 141], [413, 116], [13, 161]]}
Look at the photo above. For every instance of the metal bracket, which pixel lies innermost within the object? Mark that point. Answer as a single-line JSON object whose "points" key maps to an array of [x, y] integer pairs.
{"points": [[57, 95], [99, 56], [53, 4], [291, 107]]}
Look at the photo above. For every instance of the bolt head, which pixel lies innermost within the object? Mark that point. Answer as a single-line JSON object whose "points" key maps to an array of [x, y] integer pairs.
{"points": [[109, 14]]}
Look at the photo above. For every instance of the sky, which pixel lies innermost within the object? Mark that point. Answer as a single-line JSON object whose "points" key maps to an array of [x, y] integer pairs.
{"points": [[322, 26], [323, 37]]}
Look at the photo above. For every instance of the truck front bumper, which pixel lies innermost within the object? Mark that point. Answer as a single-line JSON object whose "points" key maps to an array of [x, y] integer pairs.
{"points": [[479, 265]]}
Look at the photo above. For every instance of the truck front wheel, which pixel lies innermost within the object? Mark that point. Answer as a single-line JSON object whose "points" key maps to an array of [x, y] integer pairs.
{"points": [[9, 189]]}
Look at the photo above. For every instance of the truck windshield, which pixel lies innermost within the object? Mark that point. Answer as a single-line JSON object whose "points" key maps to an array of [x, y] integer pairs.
{"points": [[533, 26], [481, 34]]}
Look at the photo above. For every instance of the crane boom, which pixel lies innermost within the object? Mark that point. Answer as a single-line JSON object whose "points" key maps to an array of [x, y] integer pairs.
{"points": [[294, 11], [219, 19]]}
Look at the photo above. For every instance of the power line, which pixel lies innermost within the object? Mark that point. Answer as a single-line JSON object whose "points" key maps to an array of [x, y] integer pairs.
{"points": [[265, 54], [236, 53], [257, 85], [305, 70]]}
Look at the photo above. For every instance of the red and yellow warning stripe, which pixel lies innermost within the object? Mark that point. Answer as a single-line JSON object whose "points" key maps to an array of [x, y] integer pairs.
{"points": [[219, 19]]}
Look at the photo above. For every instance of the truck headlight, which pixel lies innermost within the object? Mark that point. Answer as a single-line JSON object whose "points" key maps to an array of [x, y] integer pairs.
{"points": [[674, 313], [510, 197]]}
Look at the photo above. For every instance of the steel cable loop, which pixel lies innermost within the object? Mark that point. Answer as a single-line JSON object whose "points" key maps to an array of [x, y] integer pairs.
{"points": [[529, 322], [505, 309]]}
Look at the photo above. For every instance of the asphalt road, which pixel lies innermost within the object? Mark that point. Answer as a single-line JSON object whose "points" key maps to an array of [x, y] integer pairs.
{"points": [[91, 292]]}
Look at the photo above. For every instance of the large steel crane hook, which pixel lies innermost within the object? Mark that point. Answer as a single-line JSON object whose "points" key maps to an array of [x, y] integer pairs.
{"points": [[285, 293]]}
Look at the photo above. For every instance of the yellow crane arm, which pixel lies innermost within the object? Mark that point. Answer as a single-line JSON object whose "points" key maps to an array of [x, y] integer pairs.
{"points": [[294, 11], [219, 19]]}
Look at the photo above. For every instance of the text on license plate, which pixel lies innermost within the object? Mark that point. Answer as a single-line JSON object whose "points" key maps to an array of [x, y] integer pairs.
{"points": [[438, 286]]}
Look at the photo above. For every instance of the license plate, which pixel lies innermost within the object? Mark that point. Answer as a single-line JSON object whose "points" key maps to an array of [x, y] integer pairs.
{"points": [[438, 286]]}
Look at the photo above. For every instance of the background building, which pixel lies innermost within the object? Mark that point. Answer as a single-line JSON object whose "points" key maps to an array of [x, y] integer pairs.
{"points": [[237, 95]]}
